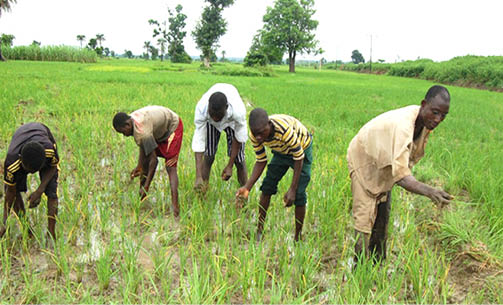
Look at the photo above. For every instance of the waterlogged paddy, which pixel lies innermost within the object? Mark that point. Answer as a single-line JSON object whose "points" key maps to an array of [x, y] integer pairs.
{"points": [[114, 248]]}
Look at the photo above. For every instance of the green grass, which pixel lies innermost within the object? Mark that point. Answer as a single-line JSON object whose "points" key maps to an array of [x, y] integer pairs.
{"points": [[112, 248]]}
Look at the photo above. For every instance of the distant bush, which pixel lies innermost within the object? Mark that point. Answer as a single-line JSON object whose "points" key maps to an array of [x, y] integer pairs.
{"points": [[254, 59], [50, 53], [474, 71], [240, 71]]}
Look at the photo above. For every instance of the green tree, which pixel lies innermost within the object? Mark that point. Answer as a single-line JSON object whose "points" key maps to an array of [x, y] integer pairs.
{"points": [[176, 34], [357, 57], [92, 44], [5, 6], [154, 52], [289, 27], [100, 38], [261, 54], [7, 39], [160, 29], [35, 43], [210, 28], [147, 45], [128, 54], [81, 39]]}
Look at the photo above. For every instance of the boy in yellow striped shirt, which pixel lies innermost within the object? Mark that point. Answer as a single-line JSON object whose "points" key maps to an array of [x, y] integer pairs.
{"points": [[291, 145]]}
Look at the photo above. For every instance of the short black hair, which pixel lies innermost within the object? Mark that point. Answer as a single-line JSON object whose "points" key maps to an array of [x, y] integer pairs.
{"points": [[120, 119], [258, 118], [217, 102], [438, 90], [33, 155]]}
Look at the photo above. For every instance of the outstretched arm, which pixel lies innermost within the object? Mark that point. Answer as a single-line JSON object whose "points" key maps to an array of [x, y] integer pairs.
{"points": [[258, 168], [289, 197], [227, 172], [439, 197], [34, 198], [10, 196], [152, 166]]}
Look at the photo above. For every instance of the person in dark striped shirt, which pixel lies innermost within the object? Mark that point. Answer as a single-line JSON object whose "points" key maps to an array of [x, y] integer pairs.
{"points": [[32, 149], [291, 145]]}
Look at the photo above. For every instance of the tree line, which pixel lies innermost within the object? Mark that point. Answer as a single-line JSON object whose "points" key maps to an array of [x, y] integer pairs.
{"points": [[288, 29]]}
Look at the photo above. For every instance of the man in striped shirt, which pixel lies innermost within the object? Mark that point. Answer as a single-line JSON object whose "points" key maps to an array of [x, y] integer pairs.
{"points": [[219, 109], [291, 145], [32, 149]]}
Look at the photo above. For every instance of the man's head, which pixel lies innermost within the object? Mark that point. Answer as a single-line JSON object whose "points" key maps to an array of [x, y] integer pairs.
{"points": [[32, 156], [435, 106], [259, 124], [123, 124], [217, 106]]}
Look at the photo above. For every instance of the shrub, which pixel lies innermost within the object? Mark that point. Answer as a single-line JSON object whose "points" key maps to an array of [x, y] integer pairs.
{"points": [[50, 53]]}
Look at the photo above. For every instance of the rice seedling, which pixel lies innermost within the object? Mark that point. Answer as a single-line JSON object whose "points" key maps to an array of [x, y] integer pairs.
{"points": [[112, 247]]}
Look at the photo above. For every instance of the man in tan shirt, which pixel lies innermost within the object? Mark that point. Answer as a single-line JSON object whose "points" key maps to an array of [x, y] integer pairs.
{"points": [[158, 132], [381, 155]]}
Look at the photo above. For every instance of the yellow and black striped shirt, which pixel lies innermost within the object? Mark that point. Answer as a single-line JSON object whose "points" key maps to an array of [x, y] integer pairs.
{"points": [[290, 137]]}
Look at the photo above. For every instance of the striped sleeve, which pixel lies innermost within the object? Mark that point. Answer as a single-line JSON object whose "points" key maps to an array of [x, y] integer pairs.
{"points": [[260, 153], [10, 170], [52, 156], [294, 143]]}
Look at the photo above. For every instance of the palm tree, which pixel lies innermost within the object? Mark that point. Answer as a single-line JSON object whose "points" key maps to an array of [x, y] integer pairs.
{"points": [[147, 45], [100, 38], [4, 6], [81, 38], [162, 45]]}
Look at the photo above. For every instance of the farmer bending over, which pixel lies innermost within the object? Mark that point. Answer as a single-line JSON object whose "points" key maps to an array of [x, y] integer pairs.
{"points": [[291, 145], [220, 109], [32, 149], [158, 132], [381, 155]]}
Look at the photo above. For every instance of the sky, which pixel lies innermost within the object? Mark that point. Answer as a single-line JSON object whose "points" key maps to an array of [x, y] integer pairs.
{"points": [[400, 29]]}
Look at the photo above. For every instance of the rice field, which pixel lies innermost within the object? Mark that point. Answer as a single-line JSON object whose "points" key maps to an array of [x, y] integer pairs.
{"points": [[113, 248]]}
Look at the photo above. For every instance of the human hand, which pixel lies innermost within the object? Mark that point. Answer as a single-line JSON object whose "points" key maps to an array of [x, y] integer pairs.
{"points": [[440, 197], [143, 192], [200, 185], [34, 199], [289, 198], [242, 193], [137, 171], [227, 173]]}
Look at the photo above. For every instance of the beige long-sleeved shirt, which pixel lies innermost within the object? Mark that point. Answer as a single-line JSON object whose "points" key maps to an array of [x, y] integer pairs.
{"points": [[153, 125], [383, 151]]}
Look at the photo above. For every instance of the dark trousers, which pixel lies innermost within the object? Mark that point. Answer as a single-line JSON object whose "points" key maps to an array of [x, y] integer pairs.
{"points": [[374, 244]]}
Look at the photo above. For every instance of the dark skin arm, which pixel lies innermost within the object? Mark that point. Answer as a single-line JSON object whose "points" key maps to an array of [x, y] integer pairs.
{"points": [[10, 196], [289, 197], [137, 170], [439, 197], [34, 198], [258, 168], [199, 168], [152, 166], [227, 172]]}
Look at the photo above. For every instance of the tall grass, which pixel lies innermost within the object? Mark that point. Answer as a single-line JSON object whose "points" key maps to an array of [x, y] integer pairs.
{"points": [[471, 71], [50, 53], [114, 248]]}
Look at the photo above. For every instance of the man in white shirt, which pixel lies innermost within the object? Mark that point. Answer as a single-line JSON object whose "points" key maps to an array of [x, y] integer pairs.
{"points": [[220, 109]]}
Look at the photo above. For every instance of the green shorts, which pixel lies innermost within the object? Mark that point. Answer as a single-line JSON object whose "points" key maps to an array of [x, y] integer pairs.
{"points": [[278, 167]]}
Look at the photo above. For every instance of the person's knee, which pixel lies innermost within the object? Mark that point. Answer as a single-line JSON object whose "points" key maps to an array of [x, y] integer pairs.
{"points": [[209, 159]]}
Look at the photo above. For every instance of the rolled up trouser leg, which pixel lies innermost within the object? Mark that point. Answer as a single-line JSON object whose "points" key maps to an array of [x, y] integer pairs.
{"points": [[379, 236]]}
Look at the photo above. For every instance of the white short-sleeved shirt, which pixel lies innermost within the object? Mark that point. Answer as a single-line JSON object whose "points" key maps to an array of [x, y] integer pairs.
{"points": [[235, 118]]}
